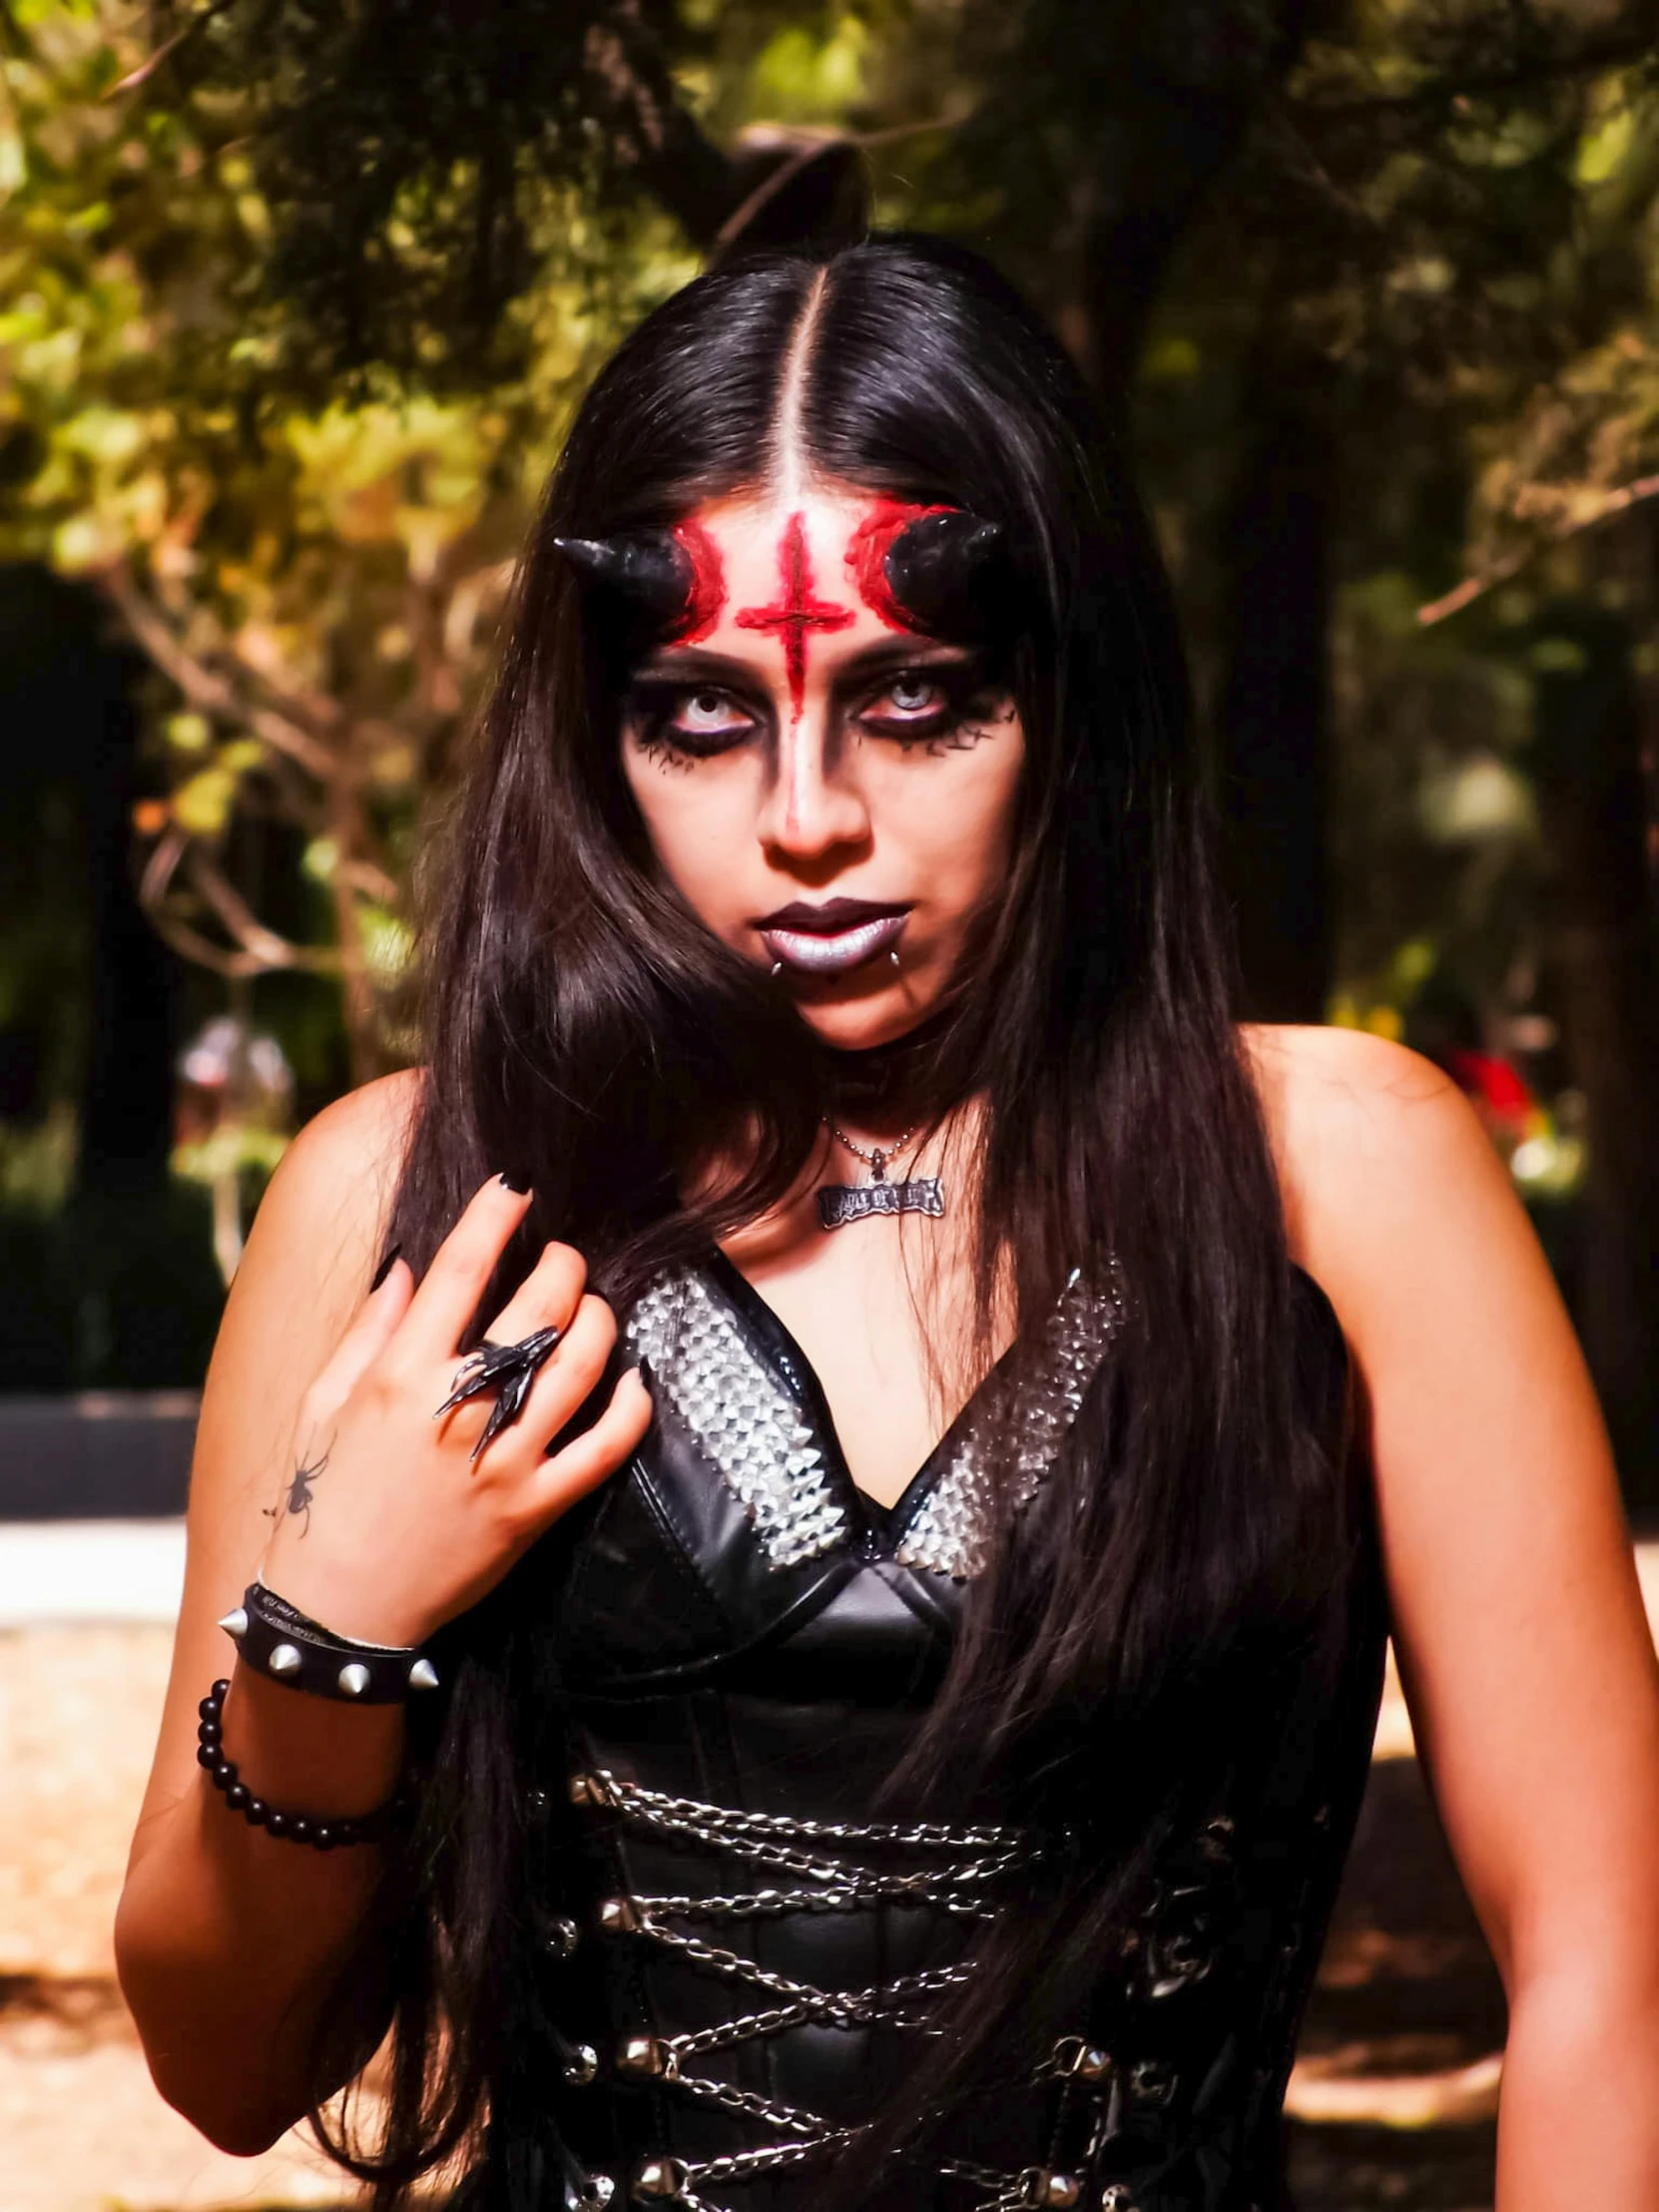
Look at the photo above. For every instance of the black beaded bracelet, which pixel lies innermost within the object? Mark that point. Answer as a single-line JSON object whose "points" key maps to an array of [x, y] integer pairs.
{"points": [[321, 1832], [277, 1640]]}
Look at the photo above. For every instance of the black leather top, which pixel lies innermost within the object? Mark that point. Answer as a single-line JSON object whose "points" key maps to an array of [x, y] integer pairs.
{"points": [[739, 1632]]}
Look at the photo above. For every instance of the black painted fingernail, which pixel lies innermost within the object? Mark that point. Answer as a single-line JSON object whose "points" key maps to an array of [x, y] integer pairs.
{"points": [[518, 1188], [645, 1373], [384, 1269]]}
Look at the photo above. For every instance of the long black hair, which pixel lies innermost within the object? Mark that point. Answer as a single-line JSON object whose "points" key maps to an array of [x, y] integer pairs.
{"points": [[585, 1033]]}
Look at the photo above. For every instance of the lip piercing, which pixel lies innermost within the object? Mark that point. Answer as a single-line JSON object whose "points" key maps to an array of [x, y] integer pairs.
{"points": [[892, 954], [776, 967]]}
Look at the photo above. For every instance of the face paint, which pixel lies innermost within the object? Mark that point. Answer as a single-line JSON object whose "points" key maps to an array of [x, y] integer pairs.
{"points": [[867, 549], [705, 598], [795, 612]]}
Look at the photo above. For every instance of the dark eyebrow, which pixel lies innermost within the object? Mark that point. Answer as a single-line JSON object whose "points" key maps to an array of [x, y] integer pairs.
{"points": [[691, 664], [890, 655]]}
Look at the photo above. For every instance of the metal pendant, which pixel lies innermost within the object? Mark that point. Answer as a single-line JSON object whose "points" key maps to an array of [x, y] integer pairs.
{"points": [[839, 1203]]}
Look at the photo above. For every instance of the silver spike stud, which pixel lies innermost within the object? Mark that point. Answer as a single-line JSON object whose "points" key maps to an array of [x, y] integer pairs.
{"points": [[646, 2058], [660, 2177], [234, 1622], [284, 1660], [353, 1679], [423, 1675]]}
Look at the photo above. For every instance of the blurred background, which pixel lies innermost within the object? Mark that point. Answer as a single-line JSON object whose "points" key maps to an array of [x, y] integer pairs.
{"points": [[293, 306]]}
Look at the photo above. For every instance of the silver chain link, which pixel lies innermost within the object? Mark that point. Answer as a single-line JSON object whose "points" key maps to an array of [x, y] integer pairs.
{"points": [[635, 1798], [772, 1841]]}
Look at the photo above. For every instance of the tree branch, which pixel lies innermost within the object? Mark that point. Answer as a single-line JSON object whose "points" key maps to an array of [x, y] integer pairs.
{"points": [[1613, 504], [678, 165], [211, 692], [1451, 84]]}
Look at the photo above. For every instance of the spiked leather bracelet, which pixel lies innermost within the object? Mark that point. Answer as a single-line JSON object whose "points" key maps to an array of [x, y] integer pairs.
{"points": [[275, 1638]]}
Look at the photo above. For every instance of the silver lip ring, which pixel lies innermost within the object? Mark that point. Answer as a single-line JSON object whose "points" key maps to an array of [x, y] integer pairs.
{"points": [[508, 1371]]}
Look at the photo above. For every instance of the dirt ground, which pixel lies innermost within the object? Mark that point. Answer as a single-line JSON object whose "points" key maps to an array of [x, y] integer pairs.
{"points": [[1393, 2096]]}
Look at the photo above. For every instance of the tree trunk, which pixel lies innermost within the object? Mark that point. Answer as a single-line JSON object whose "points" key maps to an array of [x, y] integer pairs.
{"points": [[1606, 959], [1272, 712], [127, 1103]]}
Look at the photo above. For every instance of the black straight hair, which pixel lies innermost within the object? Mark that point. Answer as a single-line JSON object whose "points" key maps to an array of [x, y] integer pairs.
{"points": [[586, 1034]]}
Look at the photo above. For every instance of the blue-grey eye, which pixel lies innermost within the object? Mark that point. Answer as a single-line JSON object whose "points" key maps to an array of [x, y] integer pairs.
{"points": [[913, 695]]}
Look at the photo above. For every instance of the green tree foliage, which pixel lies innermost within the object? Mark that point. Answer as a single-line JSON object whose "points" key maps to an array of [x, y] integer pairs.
{"points": [[314, 579], [296, 301]]}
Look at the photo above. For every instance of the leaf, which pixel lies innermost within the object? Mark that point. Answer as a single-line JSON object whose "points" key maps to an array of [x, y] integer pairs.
{"points": [[202, 804]]}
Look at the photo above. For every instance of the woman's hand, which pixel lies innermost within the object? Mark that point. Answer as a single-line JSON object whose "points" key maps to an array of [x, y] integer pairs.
{"points": [[390, 1526]]}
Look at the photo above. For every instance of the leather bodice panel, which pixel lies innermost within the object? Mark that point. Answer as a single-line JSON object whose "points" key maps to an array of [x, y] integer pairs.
{"points": [[739, 1930]]}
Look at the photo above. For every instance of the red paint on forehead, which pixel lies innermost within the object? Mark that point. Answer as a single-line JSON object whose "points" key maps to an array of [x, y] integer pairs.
{"points": [[795, 612], [705, 601], [866, 553]]}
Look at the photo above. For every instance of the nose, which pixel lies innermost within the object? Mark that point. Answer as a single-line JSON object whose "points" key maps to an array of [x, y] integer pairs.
{"points": [[812, 804]]}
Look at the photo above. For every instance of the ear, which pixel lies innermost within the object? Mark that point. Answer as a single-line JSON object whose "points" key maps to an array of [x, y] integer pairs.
{"points": [[646, 569], [944, 569]]}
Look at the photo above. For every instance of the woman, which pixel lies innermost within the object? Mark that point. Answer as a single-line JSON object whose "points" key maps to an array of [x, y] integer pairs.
{"points": [[883, 1730]]}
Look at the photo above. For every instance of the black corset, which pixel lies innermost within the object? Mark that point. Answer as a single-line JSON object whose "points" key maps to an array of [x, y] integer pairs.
{"points": [[738, 1937]]}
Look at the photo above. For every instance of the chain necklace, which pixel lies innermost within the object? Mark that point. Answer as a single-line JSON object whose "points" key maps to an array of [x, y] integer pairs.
{"points": [[839, 1203]]}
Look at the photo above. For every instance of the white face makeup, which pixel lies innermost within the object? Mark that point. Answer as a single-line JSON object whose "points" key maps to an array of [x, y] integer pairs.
{"points": [[827, 788]]}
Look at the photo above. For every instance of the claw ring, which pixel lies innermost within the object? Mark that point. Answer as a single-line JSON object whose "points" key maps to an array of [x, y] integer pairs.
{"points": [[508, 1371]]}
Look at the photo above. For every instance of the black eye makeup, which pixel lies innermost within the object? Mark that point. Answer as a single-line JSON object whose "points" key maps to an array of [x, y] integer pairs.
{"points": [[687, 722], [942, 704], [945, 706]]}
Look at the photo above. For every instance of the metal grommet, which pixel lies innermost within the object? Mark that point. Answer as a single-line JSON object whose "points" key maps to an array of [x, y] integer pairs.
{"points": [[1115, 2197], [596, 2192], [1151, 2082], [563, 1937], [582, 2066]]}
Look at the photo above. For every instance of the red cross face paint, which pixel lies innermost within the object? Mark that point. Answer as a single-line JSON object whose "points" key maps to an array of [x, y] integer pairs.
{"points": [[795, 613], [830, 788]]}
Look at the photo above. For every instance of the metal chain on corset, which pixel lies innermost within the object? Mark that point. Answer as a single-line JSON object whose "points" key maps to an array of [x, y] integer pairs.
{"points": [[688, 1813], [982, 1855]]}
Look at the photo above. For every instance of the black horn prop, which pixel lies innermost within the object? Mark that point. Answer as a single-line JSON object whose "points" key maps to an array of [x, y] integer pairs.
{"points": [[944, 569], [648, 569]]}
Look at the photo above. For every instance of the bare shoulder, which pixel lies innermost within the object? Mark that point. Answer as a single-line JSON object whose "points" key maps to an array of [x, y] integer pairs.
{"points": [[1379, 1154], [1327, 1092], [334, 1187]]}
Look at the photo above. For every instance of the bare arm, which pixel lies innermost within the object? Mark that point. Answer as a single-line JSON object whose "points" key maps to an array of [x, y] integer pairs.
{"points": [[227, 1941], [1519, 1620]]}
